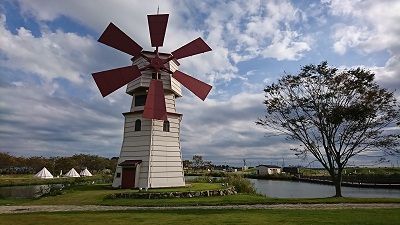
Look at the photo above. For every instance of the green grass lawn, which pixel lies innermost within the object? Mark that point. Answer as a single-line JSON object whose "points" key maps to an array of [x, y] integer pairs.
{"points": [[95, 195], [208, 216]]}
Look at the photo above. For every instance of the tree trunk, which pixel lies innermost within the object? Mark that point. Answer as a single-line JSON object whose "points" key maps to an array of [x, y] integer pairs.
{"points": [[337, 181]]}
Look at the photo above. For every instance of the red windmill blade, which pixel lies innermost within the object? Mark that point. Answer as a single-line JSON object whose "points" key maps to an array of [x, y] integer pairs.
{"points": [[155, 102], [110, 80], [194, 47], [197, 87], [157, 28], [115, 38]]}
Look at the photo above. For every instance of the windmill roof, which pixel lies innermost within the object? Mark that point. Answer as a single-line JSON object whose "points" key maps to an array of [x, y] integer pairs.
{"points": [[141, 111], [160, 53], [130, 163], [269, 166]]}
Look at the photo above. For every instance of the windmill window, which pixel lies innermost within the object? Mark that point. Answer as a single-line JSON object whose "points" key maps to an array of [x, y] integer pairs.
{"points": [[154, 76], [140, 100], [118, 175], [166, 126], [138, 125]]}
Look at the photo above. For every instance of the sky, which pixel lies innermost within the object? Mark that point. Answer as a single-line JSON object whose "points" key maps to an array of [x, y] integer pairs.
{"points": [[50, 105]]}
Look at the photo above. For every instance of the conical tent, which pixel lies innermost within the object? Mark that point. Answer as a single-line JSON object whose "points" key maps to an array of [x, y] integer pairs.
{"points": [[85, 173], [44, 173], [72, 173]]}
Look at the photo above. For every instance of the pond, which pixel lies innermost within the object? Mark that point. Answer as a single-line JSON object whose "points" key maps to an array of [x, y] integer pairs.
{"points": [[296, 189], [31, 191]]}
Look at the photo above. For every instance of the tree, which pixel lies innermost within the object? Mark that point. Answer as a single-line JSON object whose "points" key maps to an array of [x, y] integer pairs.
{"points": [[38, 162], [334, 115], [198, 163], [13, 164], [6, 160], [187, 164]]}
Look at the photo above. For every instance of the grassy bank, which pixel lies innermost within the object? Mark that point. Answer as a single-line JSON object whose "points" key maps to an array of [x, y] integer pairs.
{"points": [[207, 216]]}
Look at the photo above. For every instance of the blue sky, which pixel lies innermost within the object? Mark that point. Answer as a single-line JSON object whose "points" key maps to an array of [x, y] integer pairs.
{"points": [[49, 104]]}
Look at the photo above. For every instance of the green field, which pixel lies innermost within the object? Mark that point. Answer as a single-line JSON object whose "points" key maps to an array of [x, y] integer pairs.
{"points": [[210, 216], [96, 195]]}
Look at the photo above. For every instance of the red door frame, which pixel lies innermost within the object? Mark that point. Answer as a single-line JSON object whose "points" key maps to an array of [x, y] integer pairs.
{"points": [[128, 177]]}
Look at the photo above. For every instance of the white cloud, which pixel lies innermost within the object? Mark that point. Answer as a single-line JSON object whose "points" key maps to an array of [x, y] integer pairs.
{"points": [[284, 47], [389, 74], [374, 26], [348, 36], [226, 128], [35, 122], [258, 28], [52, 55]]}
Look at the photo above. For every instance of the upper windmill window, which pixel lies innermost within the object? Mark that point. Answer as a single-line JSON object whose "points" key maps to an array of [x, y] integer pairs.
{"points": [[154, 76], [166, 126], [138, 125], [140, 100]]}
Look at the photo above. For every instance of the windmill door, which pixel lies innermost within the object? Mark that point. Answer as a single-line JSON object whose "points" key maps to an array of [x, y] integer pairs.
{"points": [[128, 177]]}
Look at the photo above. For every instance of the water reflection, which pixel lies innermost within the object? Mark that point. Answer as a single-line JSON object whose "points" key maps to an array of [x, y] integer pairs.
{"points": [[33, 191], [295, 189]]}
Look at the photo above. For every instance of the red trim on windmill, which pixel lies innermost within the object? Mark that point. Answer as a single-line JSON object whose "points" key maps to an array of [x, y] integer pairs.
{"points": [[155, 102], [111, 80]]}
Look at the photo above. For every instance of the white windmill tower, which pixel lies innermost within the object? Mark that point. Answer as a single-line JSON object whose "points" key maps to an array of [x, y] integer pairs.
{"points": [[150, 155]]}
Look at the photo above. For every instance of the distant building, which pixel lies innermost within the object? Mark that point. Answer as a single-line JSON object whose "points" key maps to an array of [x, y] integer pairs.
{"points": [[291, 170], [232, 169], [268, 169]]}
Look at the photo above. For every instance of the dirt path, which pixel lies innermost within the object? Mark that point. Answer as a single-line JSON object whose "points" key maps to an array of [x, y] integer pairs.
{"points": [[68, 208]]}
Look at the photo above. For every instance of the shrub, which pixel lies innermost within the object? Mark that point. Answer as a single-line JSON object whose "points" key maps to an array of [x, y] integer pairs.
{"points": [[206, 179], [241, 184]]}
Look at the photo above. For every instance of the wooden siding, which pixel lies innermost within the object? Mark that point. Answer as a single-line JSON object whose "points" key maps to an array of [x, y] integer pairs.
{"points": [[169, 103], [169, 83], [159, 151], [164, 182]]}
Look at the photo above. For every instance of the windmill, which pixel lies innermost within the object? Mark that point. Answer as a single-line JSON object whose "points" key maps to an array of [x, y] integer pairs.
{"points": [[150, 154]]}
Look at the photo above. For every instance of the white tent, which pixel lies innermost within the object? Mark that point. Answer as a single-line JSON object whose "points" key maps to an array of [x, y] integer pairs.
{"points": [[44, 173], [72, 173], [85, 173]]}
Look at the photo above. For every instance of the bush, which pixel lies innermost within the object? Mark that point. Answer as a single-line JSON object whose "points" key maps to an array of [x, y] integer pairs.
{"points": [[206, 179], [241, 184]]}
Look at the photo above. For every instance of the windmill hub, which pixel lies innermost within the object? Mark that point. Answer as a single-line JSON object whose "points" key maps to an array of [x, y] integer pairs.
{"points": [[150, 154], [157, 63]]}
